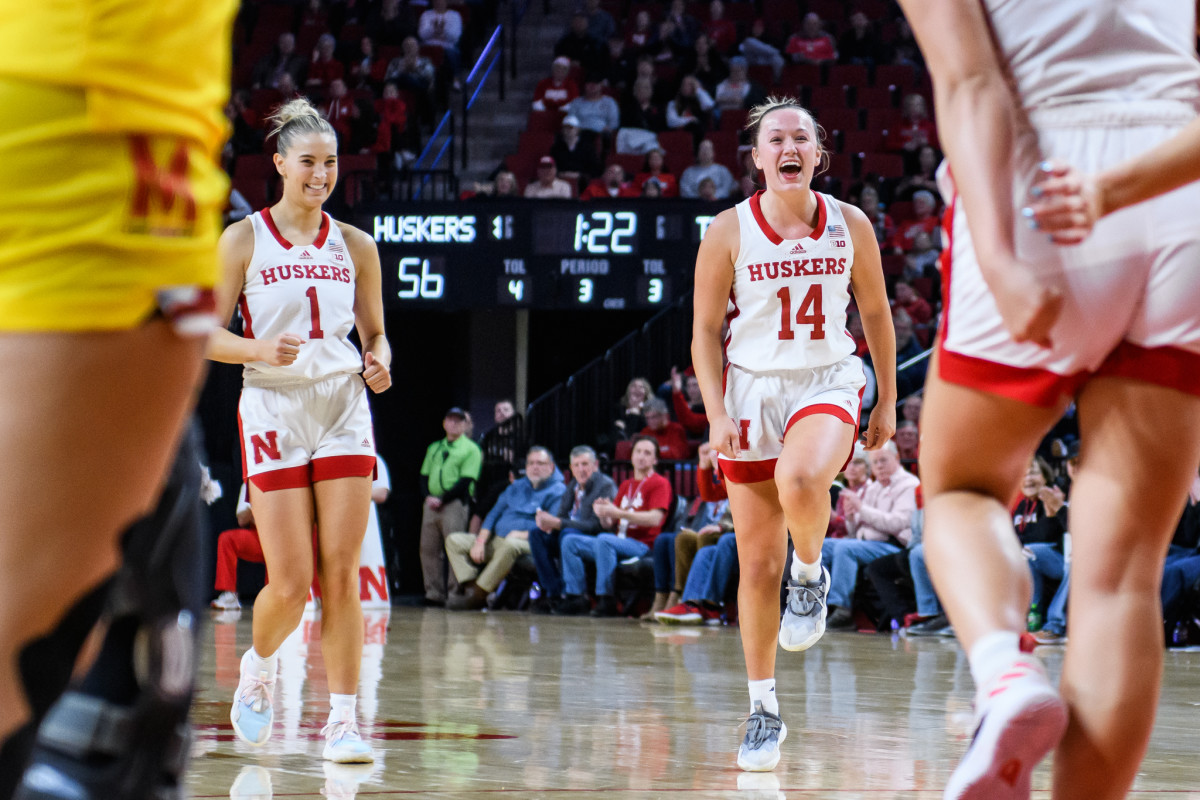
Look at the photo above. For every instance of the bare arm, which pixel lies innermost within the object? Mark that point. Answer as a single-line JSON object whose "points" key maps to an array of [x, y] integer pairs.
{"points": [[870, 293], [714, 281], [234, 250], [368, 308], [976, 126]]}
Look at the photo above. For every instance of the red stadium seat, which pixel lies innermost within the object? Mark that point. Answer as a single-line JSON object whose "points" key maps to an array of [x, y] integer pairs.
{"points": [[821, 98], [902, 76], [885, 165], [837, 119], [630, 162], [678, 146], [901, 211], [733, 119], [778, 11], [841, 166], [892, 264], [797, 76], [874, 97], [883, 119], [545, 121], [535, 142], [623, 450], [762, 74], [847, 75], [861, 141]]}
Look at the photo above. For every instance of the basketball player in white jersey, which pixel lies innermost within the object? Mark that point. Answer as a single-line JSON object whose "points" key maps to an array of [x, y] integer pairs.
{"points": [[779, 269], [302, 280], [1113, 323]]}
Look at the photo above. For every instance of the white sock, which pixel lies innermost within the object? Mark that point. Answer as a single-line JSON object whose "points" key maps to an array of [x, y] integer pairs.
{"points": [[269, 664], [341, 706], [805, 573], [764, 692], [992, 654]]}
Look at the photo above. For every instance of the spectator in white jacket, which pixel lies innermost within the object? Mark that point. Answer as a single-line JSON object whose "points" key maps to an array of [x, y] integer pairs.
{"points": [[442, 27], [878, 523]]}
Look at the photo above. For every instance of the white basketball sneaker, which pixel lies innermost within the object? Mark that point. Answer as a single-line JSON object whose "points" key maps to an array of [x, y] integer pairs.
{"points": [[252, 714], [344, 745], [760, 747], [803, 622], [1020, 719]]}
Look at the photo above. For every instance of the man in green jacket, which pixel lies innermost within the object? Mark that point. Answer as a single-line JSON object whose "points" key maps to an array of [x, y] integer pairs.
{"points": [[448, 477]]}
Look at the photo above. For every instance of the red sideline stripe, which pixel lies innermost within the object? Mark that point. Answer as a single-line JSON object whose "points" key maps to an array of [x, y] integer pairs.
{"points": [[333, 467], [748, 471], [1170, 367], [286, 478]]}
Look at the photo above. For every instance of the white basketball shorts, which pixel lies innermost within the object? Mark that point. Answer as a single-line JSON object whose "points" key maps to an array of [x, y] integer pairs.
{"points": [[295, 436], [1132, 288], [765, 405]]}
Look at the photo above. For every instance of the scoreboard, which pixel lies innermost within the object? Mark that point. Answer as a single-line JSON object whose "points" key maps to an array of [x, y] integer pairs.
{"points": [[626, 254]]}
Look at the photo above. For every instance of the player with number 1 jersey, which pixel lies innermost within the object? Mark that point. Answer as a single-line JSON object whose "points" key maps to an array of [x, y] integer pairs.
{"points": [[778, 270], [302, 281]]}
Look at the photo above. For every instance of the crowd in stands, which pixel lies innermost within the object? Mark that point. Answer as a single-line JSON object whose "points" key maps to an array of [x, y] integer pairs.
{"points": [[378, 69]]}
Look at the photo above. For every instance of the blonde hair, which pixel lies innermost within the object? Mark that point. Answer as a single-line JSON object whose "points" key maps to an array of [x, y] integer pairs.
{"points": [[296, 118], [755, 117], [645, 384]]}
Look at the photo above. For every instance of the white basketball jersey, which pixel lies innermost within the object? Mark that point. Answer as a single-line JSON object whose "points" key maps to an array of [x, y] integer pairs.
{"points": [[787, 309], [1106, 51], [307, 290]]}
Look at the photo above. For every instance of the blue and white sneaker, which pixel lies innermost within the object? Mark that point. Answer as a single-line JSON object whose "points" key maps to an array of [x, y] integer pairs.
{"points": [[803, 622], [252, 713], [344, 745], [760, 748]]}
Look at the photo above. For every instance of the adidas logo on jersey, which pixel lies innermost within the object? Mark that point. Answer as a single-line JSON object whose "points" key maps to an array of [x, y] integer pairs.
{"points": [[305, 255], [366, 443], [799, 248]]}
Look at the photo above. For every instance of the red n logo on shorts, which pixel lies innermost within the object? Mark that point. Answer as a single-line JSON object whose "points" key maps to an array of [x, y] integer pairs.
{"points": [[158, 189], [744, 434], [268, 448]]}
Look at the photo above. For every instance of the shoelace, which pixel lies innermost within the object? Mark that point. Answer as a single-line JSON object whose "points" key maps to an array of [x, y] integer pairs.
{"points": [[803, 598], [759, 728], [341, 729], [257, 693]]}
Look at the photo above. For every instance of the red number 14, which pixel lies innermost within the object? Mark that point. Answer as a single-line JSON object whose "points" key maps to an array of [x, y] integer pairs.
{"points": [[809, 313]]}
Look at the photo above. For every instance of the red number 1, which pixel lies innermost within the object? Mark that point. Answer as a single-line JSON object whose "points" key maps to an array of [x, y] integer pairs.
{"points": [[316, 332], [810, 313]]}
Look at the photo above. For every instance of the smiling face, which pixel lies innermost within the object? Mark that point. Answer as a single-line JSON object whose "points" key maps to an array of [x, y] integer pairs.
{"points": [[787, 150], [1034, 481], [309, 169]]}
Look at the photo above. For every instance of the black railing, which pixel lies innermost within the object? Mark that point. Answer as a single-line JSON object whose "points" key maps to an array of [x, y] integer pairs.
{"points": [[491, 57], [580, 409]]}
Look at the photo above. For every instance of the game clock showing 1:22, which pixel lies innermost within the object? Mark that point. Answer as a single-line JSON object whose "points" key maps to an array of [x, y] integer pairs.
{"points": [[633, 254]]}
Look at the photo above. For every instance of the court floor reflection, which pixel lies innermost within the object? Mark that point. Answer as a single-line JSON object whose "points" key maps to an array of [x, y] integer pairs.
{"points": [[467, 705]]}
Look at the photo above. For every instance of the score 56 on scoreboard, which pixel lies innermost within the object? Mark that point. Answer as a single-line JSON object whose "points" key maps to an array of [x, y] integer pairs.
{"points": [[537, 253]]}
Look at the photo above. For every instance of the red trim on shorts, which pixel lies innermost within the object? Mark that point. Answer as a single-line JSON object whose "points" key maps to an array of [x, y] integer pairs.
{"points": [[286, 478], [333, 467], [1170, 367], [748, 471], [1038, 387], [820, 408], [248, 331], [269, 220], [323, 233], [769, 232]]}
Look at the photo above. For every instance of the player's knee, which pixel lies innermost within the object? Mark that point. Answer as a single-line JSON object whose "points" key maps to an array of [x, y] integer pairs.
{"points": [[800, 485], [292, 590], [763, 569]]}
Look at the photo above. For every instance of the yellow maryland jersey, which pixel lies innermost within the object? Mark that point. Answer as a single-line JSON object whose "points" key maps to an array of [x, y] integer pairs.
{"points": [[147, 66]]}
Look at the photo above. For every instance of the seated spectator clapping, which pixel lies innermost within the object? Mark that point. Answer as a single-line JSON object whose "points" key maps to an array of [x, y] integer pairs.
{"points": [[879, 522]]}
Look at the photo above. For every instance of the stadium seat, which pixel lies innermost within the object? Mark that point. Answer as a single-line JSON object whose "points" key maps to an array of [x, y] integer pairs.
{"points": [[847, 75], [733, 119], [885, 165], [796, 77], [902, 76], [861, 141], [874, 97]]}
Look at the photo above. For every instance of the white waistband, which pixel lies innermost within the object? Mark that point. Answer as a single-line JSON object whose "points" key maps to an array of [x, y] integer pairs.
{"points": [[1130, 114]]}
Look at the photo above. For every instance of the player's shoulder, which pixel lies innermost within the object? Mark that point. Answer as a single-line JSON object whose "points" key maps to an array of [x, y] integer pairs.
{"points": [[724, 225], [239, 236], [856, 219], [357, 240]]}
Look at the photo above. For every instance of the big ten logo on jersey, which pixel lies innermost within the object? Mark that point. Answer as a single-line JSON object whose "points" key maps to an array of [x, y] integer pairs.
{"points": [[266, 445], [161, 203]]}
